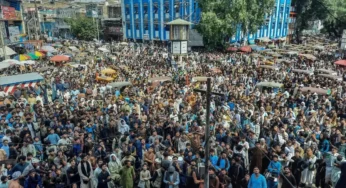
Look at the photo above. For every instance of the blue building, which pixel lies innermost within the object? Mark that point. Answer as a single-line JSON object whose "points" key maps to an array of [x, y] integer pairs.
{"points": [[275, 26], [145, 19]]}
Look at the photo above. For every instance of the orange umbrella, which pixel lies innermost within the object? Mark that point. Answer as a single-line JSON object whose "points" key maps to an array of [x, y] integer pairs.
{"points": [[340, 62], [232, 49], [59, 58], [216, 70], [245, 49]]}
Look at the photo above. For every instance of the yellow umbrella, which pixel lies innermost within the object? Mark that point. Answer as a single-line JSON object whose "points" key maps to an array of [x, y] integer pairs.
{"points": [[39, 54]]}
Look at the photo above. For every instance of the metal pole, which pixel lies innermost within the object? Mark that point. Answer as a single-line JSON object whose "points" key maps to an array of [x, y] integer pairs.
{"points": [[37, 21], [2, 39], [97, 28], [207, 134]]}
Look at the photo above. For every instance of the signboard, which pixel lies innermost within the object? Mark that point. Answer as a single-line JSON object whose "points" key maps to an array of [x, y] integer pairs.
{"points": [[14, 33], [115, 30], [184, 47], [145, 36], [176, 47], [343, 40], [8, 13]]}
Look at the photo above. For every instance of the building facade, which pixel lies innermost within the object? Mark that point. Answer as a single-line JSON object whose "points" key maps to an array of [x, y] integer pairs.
{"points": [[11, 19], [145, 19], [275, 26]]}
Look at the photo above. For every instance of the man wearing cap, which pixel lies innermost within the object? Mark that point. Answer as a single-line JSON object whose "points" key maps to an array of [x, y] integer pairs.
{"points": [[14, 183], [171, 178]]}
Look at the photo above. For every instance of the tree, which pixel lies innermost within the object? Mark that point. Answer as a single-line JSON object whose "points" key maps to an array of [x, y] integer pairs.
{"points": [[335, 20], [220, 18], [83, 28]]}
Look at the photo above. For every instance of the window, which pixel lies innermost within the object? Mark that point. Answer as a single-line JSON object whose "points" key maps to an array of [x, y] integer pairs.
{"points": [[146, 27], [145, 9], [167, 27], [137, 26], [156, 26], [167, 8], [156, 9], [136, 9], [176, 7]]}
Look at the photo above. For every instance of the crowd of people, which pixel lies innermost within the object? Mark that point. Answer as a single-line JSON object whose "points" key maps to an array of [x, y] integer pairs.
{"points": [[74, 131]]}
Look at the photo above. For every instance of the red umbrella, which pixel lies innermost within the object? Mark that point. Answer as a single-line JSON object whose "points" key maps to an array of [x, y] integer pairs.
{"points": [[340, 62], [245, 49], [59, 58], [232, 49]]}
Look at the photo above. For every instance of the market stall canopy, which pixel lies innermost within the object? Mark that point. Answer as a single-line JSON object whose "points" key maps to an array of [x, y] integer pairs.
{"points": [[108, 71], [216, 70], [200, 79], [48, 49], [105, 50], [302, 71], [318, 91], [59, 58], [76, 65], [74, 49], [340, 62], [124, 43], [245, 48], [268, 67], [160, 79], [118, 84], [8, 51], [232, 49], [33, 56], [22, 57], [333, 77], [270, 84], [10, 83], [308, 56], [28, 62], [10, 61], [326, 71]]}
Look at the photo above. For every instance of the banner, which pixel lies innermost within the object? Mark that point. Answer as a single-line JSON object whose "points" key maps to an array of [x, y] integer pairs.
{"points": [[8, 13], [14, 33]]}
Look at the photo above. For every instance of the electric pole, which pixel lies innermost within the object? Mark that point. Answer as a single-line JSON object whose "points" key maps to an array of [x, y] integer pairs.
{"points": [[2, 39], [207, 129], [37, 22]]}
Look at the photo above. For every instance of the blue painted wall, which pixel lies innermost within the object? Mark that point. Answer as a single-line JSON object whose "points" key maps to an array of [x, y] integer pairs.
{"points": [[48, 27], [148, 17]]}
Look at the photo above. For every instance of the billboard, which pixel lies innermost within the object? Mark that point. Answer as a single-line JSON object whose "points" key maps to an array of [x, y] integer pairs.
{"points": [[8, 13]]}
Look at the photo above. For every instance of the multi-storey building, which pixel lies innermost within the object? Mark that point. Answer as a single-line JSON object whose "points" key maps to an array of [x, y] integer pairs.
{"points": [[145, 19], [11, 20], [112, 24], [275, 26], [291, 24]]}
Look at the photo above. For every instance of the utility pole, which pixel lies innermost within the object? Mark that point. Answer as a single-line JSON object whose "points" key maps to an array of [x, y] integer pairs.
{"points": [[37, 22], [2, 39], [207, 130]]}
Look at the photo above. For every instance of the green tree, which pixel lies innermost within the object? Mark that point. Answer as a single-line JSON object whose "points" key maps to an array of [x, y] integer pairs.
{"points": [[335, 20], [220, 18], [83, 28]]}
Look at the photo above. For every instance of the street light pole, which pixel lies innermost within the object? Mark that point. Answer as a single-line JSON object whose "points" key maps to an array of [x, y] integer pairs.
{"points": [[37, 22], [2, 39], [207, 135], [208, 92]]}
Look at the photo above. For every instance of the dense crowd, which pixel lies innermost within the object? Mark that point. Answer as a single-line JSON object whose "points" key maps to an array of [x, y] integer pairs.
{"points": [[72, 130]]}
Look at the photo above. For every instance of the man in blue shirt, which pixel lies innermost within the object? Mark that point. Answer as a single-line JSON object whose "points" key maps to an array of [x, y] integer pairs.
{"points": [[53, 138], [20, 166], [222, 162], [257, 180], [274, 168], [213, 157]]}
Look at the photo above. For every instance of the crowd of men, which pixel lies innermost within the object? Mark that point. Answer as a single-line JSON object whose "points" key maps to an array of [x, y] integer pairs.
{"points": [[73, 131]]}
